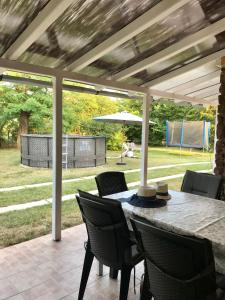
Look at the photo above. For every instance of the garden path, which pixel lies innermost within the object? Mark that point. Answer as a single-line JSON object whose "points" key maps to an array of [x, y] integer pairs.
{"points": [[72, 196]]}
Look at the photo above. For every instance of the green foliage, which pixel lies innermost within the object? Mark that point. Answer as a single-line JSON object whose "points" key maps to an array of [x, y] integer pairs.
{"points": [[162, 112], [16, 99], [116, 140], [80, 109]]}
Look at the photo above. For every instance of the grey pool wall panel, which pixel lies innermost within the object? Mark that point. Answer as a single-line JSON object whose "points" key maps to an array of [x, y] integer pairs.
{"points": [[82, 151]]}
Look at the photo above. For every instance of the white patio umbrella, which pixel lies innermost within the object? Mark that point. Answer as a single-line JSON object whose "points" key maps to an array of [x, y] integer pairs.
{"points": [[123, 118]]}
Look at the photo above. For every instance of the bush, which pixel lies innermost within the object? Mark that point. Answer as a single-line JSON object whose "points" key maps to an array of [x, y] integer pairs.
{"points": [[116, 140]]}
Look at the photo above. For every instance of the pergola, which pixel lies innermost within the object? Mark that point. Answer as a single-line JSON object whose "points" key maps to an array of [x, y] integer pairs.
{"points": [[134, 49]]}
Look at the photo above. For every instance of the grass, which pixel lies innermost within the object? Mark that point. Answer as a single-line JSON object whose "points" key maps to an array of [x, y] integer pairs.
{"points": [[18, 226], [15, 174], [35, 194]]}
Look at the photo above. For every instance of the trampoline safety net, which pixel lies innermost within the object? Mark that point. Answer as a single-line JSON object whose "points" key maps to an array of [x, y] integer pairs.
{"points": [[190, 134]]}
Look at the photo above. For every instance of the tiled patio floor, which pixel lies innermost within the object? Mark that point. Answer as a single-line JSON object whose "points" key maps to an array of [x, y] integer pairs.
{"points": [[42, 269]]}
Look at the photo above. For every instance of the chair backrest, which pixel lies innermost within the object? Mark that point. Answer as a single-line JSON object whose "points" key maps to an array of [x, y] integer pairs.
{"points": [[110, 183], [179, 267], [202, 184], [107, 229]]}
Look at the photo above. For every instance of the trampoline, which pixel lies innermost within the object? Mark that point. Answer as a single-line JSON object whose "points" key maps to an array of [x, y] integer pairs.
{"points": [[77, 151], [188, 134]]}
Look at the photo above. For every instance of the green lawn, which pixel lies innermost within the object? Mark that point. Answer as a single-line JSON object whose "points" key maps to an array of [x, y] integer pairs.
{"points": [[18, 226], [16, 174]]}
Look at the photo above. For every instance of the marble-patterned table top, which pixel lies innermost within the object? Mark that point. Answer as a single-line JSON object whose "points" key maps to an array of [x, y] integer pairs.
{"points": [[187, 214]]}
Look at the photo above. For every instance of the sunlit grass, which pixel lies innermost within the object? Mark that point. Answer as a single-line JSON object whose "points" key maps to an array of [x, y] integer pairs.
{"points": [[18, 226]]}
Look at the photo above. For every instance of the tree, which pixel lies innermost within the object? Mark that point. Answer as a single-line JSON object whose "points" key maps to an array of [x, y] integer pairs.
{"points": [[79, 111], [28, 105]]}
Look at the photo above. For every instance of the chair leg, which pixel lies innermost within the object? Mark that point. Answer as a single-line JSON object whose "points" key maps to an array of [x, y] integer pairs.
{"points": [[145, 293], [125, 281], [113, 273], [88, 260], [100, 269]]}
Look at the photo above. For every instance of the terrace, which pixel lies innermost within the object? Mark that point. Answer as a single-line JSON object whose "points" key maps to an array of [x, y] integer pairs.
{"points": [[146, 50]]}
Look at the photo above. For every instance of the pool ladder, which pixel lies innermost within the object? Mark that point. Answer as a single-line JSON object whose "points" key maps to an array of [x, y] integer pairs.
{"points": [[65, 152]]}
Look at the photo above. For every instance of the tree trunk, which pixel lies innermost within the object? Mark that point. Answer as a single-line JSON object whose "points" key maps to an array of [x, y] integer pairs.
{"points": [[220, 143], [23, 126]]}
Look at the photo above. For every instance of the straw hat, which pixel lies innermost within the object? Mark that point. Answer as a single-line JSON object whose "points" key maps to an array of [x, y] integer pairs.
{"points": [[162, 191], [147, 192]]}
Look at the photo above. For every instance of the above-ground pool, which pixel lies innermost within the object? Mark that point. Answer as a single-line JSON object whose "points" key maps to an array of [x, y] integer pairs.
{"points": [[77, 151]]}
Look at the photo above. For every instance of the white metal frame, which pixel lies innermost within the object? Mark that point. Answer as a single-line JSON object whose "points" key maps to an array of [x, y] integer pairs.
{"points": [[152, 16], [189, 67], [173, 50], [194, 82], [202, 93], [57, 158], [46, 17], [175, 96], [34, 69], [147, 100], [28, 68]]}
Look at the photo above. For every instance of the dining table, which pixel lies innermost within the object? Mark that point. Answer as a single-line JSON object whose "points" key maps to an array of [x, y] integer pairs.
{"points": [[185, 214]]}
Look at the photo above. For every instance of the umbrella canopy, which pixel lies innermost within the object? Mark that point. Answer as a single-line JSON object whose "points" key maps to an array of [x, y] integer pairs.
{"points": [[124, 118]]}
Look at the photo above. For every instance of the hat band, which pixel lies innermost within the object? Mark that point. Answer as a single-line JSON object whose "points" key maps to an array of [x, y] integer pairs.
{"points": [[162, 194], [146, 197]]}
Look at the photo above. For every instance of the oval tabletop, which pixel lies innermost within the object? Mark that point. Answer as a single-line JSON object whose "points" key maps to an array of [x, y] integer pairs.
{"points": [[186, 214]]}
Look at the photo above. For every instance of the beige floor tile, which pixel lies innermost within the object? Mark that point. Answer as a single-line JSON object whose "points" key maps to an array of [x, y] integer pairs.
{"points": [[42, 269]]}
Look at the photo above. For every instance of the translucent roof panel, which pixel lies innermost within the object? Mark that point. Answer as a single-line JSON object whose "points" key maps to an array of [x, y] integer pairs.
{"points": [[191, 75], [192, 17], [210, 90], [82, 27], [15, 16], [192, 54], [194, 87]]}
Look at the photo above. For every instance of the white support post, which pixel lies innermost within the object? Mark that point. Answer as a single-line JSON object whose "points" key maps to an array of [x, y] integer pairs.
{"points": [[57, 158], [147, 100]]}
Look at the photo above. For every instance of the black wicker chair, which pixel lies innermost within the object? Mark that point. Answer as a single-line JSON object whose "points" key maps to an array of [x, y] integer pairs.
{"points": [[177, 267], [108, 239], [202, 184], [110, 183]]}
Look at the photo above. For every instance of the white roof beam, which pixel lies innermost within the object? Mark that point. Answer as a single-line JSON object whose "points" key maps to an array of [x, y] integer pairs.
{"points": [[177, 96], [43, 20], [212, 100], [187, 68], [212, 95], [195, 82], [208, 93], [173, 50], [152, 16], [41, 70], [208, 89]]}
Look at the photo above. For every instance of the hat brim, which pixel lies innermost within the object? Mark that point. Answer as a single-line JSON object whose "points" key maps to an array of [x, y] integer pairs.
{"points": [[135, 200], [161, 197]]}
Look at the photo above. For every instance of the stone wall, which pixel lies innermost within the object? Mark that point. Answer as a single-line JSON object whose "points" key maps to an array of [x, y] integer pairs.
{"points": [[220, 144]]}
